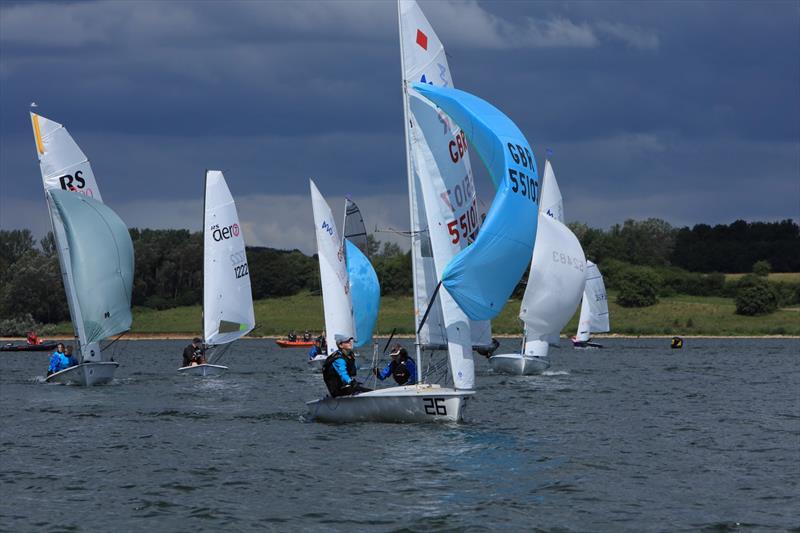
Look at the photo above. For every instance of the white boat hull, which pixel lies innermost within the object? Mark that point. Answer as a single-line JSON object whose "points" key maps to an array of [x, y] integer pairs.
{"points": [[316, 364], [518, 364], [203, 370], [410, 403], [85, 374]]}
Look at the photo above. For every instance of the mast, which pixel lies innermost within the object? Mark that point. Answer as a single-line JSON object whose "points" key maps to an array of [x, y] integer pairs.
{"points": [[203, 266], [411, 185]]}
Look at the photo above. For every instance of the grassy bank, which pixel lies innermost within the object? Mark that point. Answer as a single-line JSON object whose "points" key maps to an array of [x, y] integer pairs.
{"points": [[678, 315]]}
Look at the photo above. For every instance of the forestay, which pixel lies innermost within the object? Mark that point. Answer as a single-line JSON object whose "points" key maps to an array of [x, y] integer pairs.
{"points": [[450, 174], [227, 296], [482, 277], [555, 284], [336, 300], [100, 255], [365, 291], [594, 309]]}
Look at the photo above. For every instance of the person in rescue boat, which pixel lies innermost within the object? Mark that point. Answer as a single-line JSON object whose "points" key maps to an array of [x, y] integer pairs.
{"points": [[339, 370], [193, 354], [56, 360], [401, 367]]}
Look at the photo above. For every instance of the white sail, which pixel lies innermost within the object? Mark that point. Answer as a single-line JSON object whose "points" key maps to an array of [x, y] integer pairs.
{"points": [[227, 296], [554, 286], [594, 309], [423, 60], [551, 202], [443, 205], [336, 299], [63, 164]]}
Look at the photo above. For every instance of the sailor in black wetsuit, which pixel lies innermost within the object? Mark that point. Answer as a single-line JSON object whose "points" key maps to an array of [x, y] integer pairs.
{"points": [[193, 354], [339, 370]]}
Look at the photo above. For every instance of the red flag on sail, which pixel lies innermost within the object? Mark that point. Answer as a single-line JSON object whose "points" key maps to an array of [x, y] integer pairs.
{"points": [[422, 39]]}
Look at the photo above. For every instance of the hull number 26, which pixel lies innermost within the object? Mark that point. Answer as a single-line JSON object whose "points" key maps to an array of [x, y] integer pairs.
{"points": [[435, 406]]}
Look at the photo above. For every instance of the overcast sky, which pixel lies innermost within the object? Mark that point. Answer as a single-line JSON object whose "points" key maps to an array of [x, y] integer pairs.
{"points": [[687, 111]]}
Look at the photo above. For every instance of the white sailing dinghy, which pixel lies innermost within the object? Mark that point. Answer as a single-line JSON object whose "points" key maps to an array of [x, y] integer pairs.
{"points": [[555, 283], [337, 303], [446, 170], [227, 297], [95, 253], [594, 309]]}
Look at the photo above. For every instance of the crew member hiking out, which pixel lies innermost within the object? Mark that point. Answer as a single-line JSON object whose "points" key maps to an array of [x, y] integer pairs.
{"points": [[339, 370]]}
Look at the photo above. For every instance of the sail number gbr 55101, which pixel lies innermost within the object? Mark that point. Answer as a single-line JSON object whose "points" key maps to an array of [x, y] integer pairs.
{"points": [[522, 183]]}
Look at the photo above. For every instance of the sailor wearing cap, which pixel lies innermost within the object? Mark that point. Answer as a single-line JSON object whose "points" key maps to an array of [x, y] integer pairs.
{"points": [[401, 367], [339, 370]]}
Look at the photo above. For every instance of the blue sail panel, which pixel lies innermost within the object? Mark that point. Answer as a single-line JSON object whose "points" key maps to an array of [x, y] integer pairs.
{"points": [[365, 292], [482, 277]]}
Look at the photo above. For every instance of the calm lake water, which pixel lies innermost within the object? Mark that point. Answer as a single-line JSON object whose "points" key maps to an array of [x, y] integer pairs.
{"points": [[634, 437]]}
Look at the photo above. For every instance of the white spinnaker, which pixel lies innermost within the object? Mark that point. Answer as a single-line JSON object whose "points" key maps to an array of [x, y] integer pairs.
{"points": [[227, 296], [594, 309], [336, 300], [551, 202], [555, 284], [423, 60], [63, 164]]}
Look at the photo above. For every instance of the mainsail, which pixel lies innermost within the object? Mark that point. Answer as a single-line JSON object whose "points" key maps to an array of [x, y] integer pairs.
{"points": [[423, 60], [336, 300], [365, 291], [481, 277], [227, 296], [594, 309], [100, 254]]}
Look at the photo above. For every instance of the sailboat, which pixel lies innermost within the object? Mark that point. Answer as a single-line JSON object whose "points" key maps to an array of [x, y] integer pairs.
{"points": [[362, 285], [227, 297], [555, 284], [594, 309], [95, 253]]}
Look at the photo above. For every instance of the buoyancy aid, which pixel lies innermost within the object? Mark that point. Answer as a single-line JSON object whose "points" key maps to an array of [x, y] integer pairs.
{"points": [[331, 377]]}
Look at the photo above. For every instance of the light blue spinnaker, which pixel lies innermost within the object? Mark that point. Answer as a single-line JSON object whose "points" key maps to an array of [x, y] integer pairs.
{"points": [[101, 256], [481, 277], [365, 292]]}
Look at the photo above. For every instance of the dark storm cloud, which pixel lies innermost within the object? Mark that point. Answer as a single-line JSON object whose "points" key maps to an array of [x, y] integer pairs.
{"points": [[685, 110]]}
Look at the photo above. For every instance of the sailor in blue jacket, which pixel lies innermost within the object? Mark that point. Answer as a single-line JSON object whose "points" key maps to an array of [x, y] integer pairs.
{"points": [[339, 370], [57, 360], [401, 367]]}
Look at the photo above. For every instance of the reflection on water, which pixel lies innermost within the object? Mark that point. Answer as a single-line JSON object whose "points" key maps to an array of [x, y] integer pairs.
{"points": [[633, 437]]}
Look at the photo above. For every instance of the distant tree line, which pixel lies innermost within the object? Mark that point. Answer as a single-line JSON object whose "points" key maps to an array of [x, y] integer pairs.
{"points": [[642, 260]]}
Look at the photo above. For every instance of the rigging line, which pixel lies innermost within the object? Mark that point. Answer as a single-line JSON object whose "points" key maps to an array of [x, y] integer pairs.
{"points": [[430, 305], [109, 345], [394, 330]]}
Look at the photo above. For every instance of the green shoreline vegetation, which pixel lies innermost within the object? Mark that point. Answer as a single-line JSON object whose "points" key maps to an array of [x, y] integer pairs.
{"points": [[674, 315]]}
